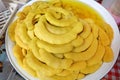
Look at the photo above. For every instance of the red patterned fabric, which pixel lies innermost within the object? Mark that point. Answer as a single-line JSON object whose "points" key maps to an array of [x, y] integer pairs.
{"points": [[114, 73]]}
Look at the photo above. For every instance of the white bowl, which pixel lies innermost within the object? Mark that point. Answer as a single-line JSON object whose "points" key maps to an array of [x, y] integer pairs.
{"points": [[104, 69]]}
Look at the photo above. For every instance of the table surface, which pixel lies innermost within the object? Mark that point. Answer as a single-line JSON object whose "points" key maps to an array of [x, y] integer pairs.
{"points": [[113, 74]]}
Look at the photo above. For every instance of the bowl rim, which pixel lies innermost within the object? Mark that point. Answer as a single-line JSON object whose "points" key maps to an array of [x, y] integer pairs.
{"points": [[106, 16]]}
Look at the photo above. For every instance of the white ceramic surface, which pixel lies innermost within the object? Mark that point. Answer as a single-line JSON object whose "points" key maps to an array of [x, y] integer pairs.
{"points": [[104, 69]]}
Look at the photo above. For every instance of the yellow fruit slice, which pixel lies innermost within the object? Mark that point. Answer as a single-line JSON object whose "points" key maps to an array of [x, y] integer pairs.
{"points": [[38, 66], [34, 48], [18, 54], [28, 21], [48, 58], [86, 29], [59, 55], [11, 30], [98, 56], [21, 15], [27, 9], [65, 21], [30, 17], [87, 42], [95, 30], [53, 61], [80, 76], [64, 73], [39, 5], [78, 41], [53, 48], [108, 56], [28, 68], [56, 3], [71, 76], [57, 29], [45, 35], [77, 66], [22, 33], [20, 43], [83, 55], [104, 37], [91, 69], [108, 29], [56, 14], [94, 27], [31, 34], [24, 51]]}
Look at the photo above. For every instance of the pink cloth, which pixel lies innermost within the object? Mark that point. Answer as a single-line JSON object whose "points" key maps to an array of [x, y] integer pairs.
{"points": [[117, 19]]}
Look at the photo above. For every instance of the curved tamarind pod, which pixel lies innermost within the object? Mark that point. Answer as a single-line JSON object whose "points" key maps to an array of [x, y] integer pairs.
{"points": [[53, 48], [11, 30], [38, 66], [53, 61], [22, 33], [86, 29], [86, 44], [78, 41], [104, 37], [18, 54], [67, 21], [27, 68], [98, 55], [83, 55], [57, 29], [91, 69], [108, 56], [45, 35], [77, 66]]}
